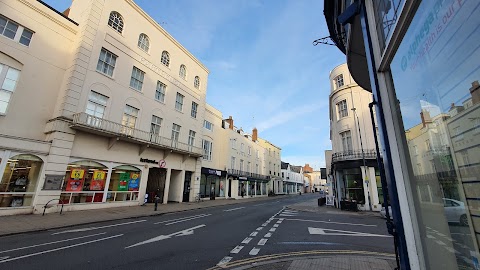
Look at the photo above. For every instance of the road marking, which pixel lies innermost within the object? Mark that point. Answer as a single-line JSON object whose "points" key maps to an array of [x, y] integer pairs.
{"points": [[233, 209], [268, 235], [279, 221], [236, 249], [182, 218], [286, 215], [259, 228], [101, 227], [178, 221], [253, 234], [54, 242], [343, 233], [265, 224], [276, 225], [247, 240], [4, 258], [331, 222], [254, 251], [262, 242], [60, 248], [163, 237], [440, 243], [260, 204], [273, 229], [224, 261]]}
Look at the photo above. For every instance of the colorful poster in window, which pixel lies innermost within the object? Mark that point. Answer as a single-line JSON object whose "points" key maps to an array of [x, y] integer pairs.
{"points": [[123, 183], [134, 183], [75, 182], [98, 180]]}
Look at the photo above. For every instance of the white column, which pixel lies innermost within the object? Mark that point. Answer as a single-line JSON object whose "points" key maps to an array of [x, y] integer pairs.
{"points": [[107, 181], [167, 186], [366, 188]]}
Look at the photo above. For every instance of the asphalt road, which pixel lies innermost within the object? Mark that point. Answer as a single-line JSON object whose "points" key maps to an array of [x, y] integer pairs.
{"points": [[198, 239]]}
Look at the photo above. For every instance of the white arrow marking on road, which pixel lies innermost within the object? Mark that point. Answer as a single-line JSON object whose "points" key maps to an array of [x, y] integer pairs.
{"points": [[254, 251], [233, 209], [96, 228], [262, 241], [163, 237], [343, 233], [4, 258], [246, 240], [236, 249], [268, 235], [224, 261], [60, 248]]}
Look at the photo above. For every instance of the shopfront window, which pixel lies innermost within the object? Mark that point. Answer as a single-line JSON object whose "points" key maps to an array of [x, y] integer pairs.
{"points": [[19, 180], [84, 182], [353, 181], [242, 188], [124, 184], [436, 75]]}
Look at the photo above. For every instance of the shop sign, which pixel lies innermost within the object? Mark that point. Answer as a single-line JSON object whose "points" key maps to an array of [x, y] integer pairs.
{"points": [[123, 183], [242, 178], [162, 163], [75, 183], [134, 182], [53, 182], [98, 180]]}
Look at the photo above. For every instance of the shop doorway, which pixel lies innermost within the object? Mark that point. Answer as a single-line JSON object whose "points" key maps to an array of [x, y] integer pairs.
{"points": [[156, 183], [186, 186]]}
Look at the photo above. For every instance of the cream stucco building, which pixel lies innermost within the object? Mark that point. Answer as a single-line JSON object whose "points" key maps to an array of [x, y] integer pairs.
{"points": [[101, 107], [354, 165]]}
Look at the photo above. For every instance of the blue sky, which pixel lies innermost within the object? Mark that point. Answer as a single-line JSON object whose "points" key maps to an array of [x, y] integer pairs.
{"points": [[264, 70]]}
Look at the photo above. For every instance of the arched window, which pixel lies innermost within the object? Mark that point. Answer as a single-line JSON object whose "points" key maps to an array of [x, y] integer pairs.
{"points": [[144, 42], [183, 72], [116, 21], [196, 82], [165, 58]]}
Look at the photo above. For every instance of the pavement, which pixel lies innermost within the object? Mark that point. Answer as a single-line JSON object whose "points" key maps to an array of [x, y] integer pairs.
{"points": [[296, 260]]}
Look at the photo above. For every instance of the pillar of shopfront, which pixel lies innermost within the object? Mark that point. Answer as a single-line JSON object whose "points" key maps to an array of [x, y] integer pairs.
{"points": [[167, 186]]}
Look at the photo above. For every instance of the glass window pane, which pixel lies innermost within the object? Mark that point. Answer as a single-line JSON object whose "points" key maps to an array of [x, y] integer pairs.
{"points": [[3, 107]]}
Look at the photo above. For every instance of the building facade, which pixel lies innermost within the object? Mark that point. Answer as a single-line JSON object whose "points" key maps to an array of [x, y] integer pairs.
{"points": [[420, 61], [293, 178], [353, 160]]}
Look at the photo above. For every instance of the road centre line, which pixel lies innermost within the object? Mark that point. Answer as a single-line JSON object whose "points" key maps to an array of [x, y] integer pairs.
{"points": [[182, 218], [60, 248], [100, 227], [247, 240], [50, 243], [254, 251], [253, 234], [273, 229], [262, 242], [275, 225], [236, 249], [233, 209], [225, 260], [178, 221], [331, 222], [259, 228], [268, 235]]}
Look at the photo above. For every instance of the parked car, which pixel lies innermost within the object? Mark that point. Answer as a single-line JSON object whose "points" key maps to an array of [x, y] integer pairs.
{"points": [[383, 213], [455, 211]]}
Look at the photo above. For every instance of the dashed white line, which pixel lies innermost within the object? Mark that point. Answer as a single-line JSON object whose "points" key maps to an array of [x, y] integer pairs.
{"points": [[247, 240], [273, 229], [233, 209], [253, 234], [265, 224], [236, 249], [100, 227], [254, 251], [259, 228], [279, 221], [225, 260], [262, 242], [268, 235], [275, 225]]}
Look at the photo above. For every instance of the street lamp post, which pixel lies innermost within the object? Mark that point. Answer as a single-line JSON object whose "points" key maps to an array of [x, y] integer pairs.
{"points": [[363, 158]]}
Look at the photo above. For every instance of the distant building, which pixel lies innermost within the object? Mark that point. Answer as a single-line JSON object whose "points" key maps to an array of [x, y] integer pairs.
{"points": [[293, 178]]}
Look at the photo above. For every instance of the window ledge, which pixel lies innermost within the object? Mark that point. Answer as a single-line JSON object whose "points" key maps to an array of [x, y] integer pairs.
{"points": [[103, 74], [159, 101], [136, 90], [179, 111]]}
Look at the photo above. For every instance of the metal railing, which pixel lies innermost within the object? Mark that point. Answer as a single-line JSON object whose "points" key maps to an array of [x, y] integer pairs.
{"points": [[354, 155], [248, 174], [91, 122]]}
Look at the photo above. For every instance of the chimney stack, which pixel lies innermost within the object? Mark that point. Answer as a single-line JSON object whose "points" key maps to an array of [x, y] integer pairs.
{"points": [[230, 122], [426, 119], [475, 92], [254, 134]]}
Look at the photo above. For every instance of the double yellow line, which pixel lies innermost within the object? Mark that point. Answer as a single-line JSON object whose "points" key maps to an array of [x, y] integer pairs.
{"points": [[298, 253]]}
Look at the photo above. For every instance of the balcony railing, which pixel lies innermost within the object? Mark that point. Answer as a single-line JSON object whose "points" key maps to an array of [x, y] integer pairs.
{"points": [[113, 129], [354, 155], [248, 174]]}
